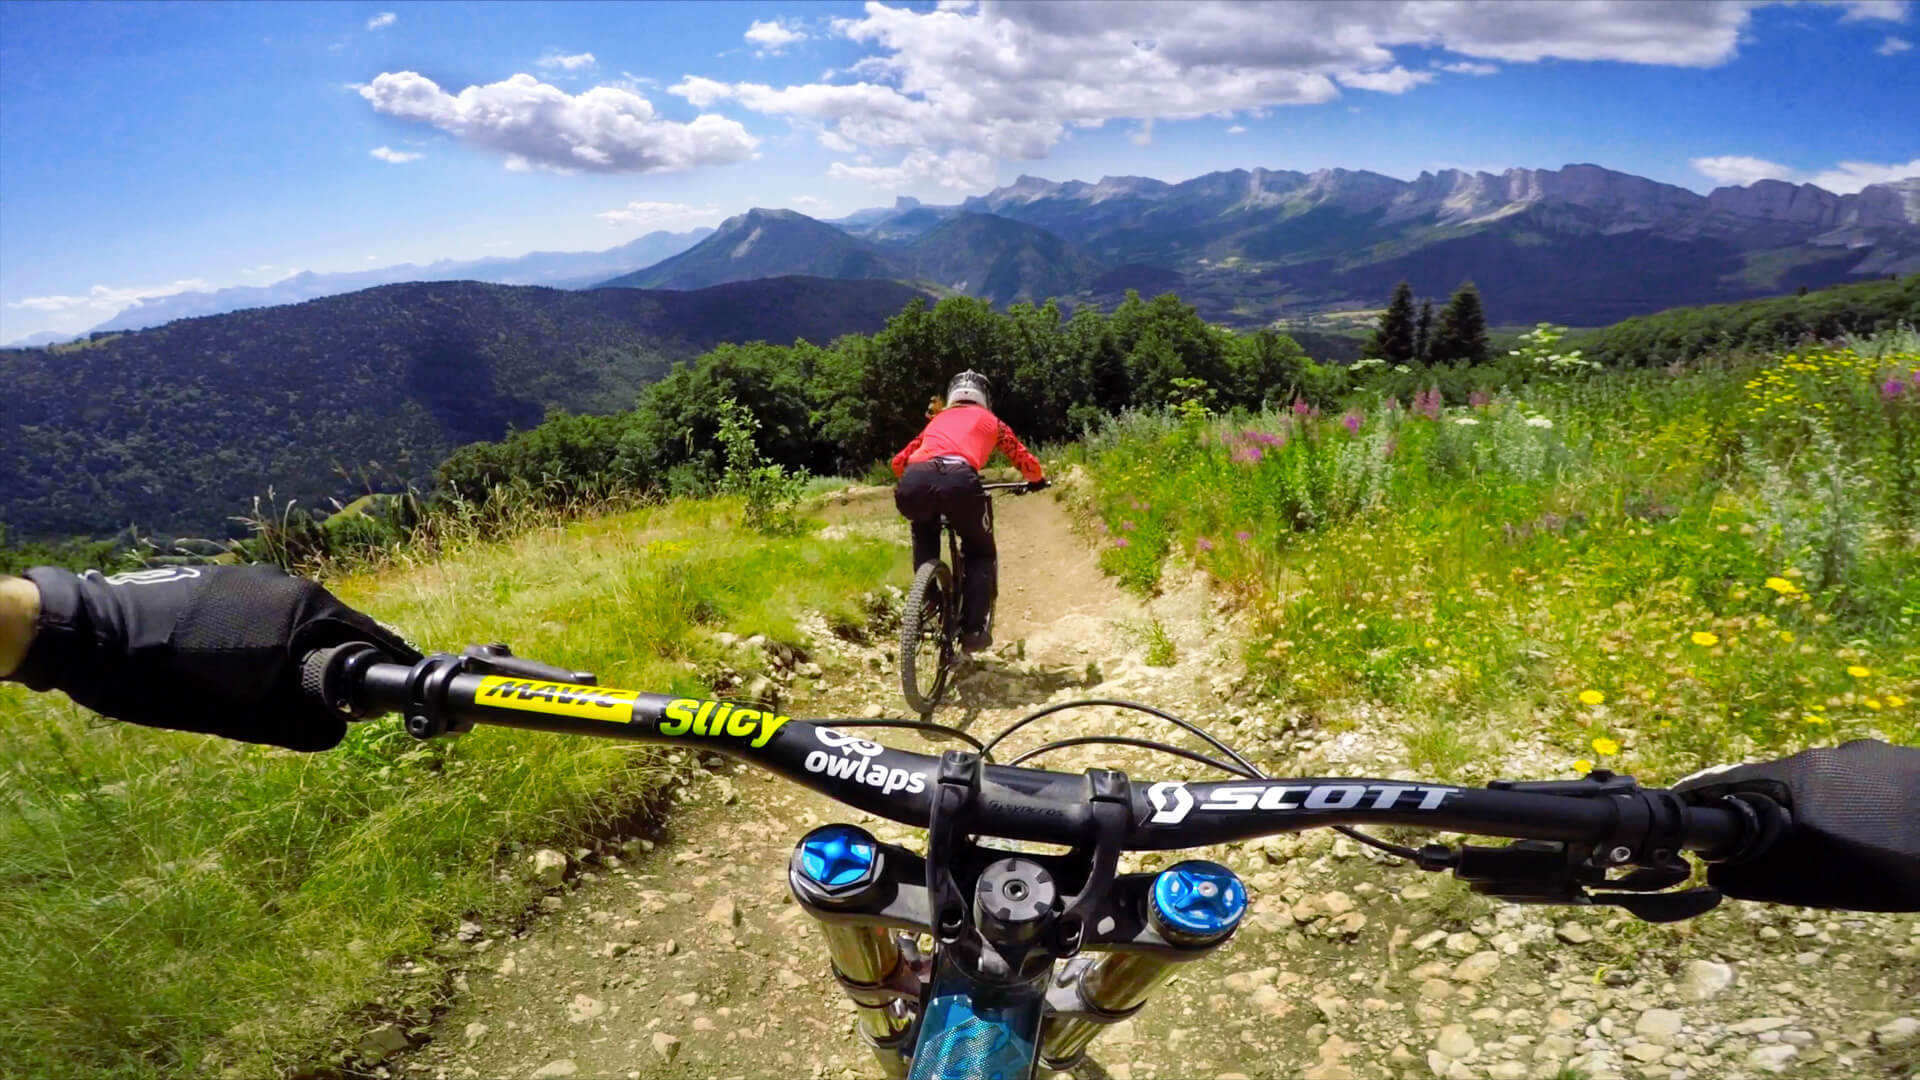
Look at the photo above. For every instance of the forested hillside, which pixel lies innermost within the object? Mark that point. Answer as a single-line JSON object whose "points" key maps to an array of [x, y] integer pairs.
{"points": [[1684, 333], [176, 429]]}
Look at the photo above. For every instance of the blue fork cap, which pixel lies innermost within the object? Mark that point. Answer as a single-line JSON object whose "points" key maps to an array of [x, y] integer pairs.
{"points": [[837, 856], [1198, 900]]}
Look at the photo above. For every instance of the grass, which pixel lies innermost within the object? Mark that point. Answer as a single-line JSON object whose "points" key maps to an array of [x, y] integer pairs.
{"points": [[1650, 572], [182, 906]]}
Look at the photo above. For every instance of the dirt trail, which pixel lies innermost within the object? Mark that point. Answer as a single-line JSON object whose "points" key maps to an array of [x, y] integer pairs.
{"points": [[684, 956]]}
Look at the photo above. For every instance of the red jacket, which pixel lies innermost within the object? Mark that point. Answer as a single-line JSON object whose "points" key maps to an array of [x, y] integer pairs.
{"points": [[970, 432]]}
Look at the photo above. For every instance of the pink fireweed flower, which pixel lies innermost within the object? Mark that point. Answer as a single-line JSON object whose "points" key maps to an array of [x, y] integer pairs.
{"points": [[1479, 399], [1203, 544], [1352, 421], [1248, 455], [1427, 403], [1892, 388], [1300, 407]]}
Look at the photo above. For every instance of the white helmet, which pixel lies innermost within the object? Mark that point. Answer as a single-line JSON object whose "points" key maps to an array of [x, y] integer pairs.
{"points": [[970, 388]]}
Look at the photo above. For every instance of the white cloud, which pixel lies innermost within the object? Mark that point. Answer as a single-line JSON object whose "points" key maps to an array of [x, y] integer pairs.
{"points": [[807, 202], [1237, 129], [554, 58], [1844, 179], [654, 214], [530, 123], [1009, 80], [1893, 45], [382, 20], [1396, 80], [78, 314], [1142, 135], [1885, 10], [772, 36], [395, 157], [963, 169], [1469, 67]]}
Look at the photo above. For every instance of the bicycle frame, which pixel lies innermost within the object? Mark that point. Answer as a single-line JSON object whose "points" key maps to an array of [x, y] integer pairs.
{"points": [[1034, 954]]}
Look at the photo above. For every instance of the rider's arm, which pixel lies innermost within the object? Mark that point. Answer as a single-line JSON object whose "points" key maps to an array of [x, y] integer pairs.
{"points": [[213, 649], [19, 611], [1016, 451], [900, 459]]}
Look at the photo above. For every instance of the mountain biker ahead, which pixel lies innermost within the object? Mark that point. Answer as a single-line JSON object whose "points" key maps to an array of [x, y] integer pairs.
{"points": [[939, 475]]}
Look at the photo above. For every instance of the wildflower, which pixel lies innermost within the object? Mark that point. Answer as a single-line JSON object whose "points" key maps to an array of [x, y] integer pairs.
{"points": [[1120, 542], [1248, 455], [1352, 421], [1539, 422], [1465, 421], [1892, 388], [1243, 536], [1592, 697], [1782, 586], [1858, 672], [1583, 766], [1705, 638], [1300, 406], [1814, 718], [1871, 703], [1605, 747], [1104, 527], [1786, 636], [1894, 701], [1129, 526], [1203, 544], [1479, 399]]}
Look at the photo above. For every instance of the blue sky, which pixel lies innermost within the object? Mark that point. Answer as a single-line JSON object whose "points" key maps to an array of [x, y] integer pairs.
{"points": [[147, 148]]}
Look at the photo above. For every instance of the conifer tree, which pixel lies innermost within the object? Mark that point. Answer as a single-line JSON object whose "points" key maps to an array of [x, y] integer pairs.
{"points": [[1423, 334], [1393, 340], [1460, 337]]}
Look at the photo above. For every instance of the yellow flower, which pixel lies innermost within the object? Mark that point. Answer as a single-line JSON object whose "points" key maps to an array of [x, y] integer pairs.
{"points": [[1894, 701], [1813, 719], [1605, 747], [1592, 697], [1782, 586], [1705, 637], [1786, 636], [1583, 766], [1858, 672], [1873, 703]]}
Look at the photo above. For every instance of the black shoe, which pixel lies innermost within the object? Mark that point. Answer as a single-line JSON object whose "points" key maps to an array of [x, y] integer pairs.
{"points": [[976, 640]]}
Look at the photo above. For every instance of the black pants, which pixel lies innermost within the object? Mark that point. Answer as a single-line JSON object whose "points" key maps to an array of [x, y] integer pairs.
{"points": [[932, 489]]}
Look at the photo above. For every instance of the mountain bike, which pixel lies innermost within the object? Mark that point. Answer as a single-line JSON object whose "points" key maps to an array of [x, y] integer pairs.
{"points": [[1033, 955], [930, 623]]}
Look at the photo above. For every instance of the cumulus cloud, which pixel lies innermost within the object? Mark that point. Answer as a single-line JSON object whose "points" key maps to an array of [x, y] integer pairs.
{"points": [[1893, 45], [963, 169], [1009, 80], [654, 214], [382, 20], [1237, 129], [554, 58], [395, 157], [532, 124], [807, 202], [1886, 10], [1845, 178], [772, 36]]}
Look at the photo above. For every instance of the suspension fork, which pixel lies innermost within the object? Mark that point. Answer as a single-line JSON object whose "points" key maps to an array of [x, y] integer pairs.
{"points": [[841, 868]]}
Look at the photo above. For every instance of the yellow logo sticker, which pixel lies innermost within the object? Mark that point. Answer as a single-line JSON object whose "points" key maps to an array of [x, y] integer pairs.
{"points": [[713, 718], [556, 698]]}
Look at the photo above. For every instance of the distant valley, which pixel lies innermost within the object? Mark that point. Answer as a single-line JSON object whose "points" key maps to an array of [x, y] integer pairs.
{"points": [[175, 429]]}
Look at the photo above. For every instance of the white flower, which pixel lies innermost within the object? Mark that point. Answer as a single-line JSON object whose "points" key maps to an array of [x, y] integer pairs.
{"points": [[1402, 368], [1465, 421], [1539, 422]]}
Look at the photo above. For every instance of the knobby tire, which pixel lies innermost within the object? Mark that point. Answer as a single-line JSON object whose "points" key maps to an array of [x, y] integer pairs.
{"points": [[927, 622]]}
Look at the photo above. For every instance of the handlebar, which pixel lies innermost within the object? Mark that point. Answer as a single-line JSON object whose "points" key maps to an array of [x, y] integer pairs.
{"points": [[1625, 824]]}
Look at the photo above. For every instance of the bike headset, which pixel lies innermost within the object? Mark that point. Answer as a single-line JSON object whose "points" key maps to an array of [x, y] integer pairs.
{"points": [[970, 388]]}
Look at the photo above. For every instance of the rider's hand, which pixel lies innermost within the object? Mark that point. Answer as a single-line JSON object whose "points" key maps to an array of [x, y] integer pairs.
{"points": [[212, 649], [1855, 838], [1038, 485]]}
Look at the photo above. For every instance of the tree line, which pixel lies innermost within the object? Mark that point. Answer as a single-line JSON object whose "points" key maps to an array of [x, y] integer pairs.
{"points": [[1458, 337]]}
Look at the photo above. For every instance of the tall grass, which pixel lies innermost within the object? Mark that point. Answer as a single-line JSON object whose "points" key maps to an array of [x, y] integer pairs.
{"points": [[1657, 570], [177, 905]]}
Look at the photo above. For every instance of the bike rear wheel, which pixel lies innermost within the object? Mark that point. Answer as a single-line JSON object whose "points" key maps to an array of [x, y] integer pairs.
{"points": [[926, 637]]}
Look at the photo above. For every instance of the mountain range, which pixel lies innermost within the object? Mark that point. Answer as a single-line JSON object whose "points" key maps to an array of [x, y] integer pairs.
{"points": [[177, 428], [1581, 245], [555, 269]]}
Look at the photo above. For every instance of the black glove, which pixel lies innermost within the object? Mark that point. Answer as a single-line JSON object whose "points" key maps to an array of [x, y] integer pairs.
{"points": [[213, 649], [1855, 838], [1038, 485]]}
